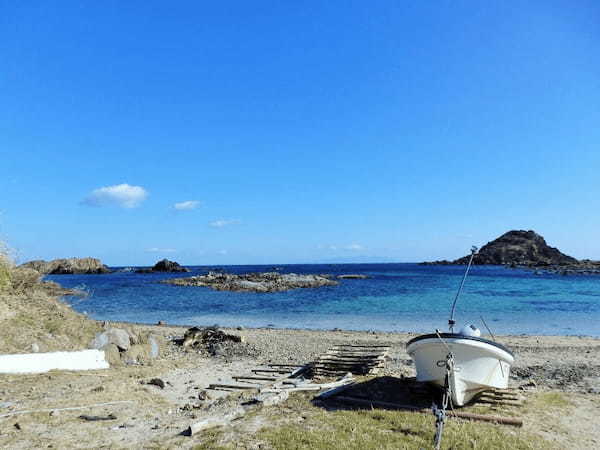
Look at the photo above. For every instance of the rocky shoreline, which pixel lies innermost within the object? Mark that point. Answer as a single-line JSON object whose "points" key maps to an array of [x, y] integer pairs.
{"points": [[254, 282], [67, 266]]}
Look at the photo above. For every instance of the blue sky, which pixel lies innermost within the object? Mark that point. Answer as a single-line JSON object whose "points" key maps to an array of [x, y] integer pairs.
{"points": [[297, 131]]}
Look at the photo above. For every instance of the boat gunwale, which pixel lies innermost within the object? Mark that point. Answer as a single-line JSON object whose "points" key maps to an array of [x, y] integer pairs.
{"points": [[459, 336]]}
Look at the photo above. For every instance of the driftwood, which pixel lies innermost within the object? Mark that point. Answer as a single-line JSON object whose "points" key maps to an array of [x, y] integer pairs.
{"points": [[212, 422], [335, 391], [460, 414], [231, 386], [238, 378], [97, 418], [72, 408]]}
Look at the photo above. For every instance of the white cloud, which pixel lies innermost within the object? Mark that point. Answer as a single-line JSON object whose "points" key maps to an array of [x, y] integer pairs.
{"points": [[187, 205], [354, 247], [222, 252], [160, 250], [223, 223], [123, 195]]}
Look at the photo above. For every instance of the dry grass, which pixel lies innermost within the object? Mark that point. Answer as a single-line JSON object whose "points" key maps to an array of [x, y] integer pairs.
{"points": [[299, 424], [5, 269], [30, 312]]}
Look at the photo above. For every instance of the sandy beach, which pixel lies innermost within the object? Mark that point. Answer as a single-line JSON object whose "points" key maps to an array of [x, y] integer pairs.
{"points": [[559, 376]]}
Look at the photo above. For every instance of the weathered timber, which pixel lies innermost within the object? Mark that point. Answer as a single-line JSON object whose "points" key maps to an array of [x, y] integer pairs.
{"points": [[269, 370], [237, 378], [212, 422], [231, 386]]}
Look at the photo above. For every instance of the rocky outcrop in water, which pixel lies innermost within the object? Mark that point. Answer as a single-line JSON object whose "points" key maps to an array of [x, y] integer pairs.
{"points": [[517, 248], [254, 282], [529, 250], [521, 248], [67, 266], [164, 265]]}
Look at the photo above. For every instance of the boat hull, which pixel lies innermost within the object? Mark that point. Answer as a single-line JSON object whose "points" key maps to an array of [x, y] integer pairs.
{"points": [[479, 364]]}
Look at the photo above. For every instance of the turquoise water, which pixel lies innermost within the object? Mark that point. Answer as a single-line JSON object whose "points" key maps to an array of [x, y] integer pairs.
{"points": [[395, 297]]}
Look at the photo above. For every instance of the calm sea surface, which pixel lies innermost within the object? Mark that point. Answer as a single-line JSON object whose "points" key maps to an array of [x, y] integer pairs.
{"points": [[395, 297]]}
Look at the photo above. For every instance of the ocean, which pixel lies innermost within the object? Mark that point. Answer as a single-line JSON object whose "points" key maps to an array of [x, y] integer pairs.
{"points": [[395, 297]]}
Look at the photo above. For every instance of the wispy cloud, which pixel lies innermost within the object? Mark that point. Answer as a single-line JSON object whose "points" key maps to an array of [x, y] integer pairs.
{"points": [[160, 250], [332, 247], [354, 246], [222, 252], [186, 205], [220, 223], [122, 195]]}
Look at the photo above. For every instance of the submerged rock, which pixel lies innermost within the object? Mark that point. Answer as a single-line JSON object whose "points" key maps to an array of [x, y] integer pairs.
{"points": [[68, 266], [254, 282], [352, 277]]}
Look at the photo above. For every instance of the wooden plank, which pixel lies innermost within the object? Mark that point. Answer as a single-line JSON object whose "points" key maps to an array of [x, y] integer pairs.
{"points": [[270, 370], [285, 365], [350, 356], [231, 386], [254, 378], [351, 360], [299, 371], [334, 391], [460, 414], [346, 364], [212, 422]]}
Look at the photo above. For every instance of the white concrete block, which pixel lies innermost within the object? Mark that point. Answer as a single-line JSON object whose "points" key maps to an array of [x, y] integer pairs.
{"points": [[43, 362]]}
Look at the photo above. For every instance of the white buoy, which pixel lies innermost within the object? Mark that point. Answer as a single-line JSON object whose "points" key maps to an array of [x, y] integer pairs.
{"points": [[470, 330]]}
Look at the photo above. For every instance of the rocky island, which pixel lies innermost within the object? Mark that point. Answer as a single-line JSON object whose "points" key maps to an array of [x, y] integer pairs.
{"points": [[164, 265], [254, 282], [520, 248], [67, 266]]}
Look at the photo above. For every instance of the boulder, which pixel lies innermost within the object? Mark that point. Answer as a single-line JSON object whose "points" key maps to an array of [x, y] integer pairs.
{"points": [[68, 266], [115, 336], [112, 354]]}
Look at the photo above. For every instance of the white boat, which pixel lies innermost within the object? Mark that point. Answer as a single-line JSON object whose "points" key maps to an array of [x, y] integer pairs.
{"points": [[463, 363], [477, 364]]}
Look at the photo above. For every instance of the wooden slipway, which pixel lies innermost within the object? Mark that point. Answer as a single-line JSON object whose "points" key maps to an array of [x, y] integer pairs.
{"points": [[43, 362]]}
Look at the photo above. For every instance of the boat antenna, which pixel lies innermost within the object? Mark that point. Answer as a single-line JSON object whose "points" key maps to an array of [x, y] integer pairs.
{"points": [[451, 321]]}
